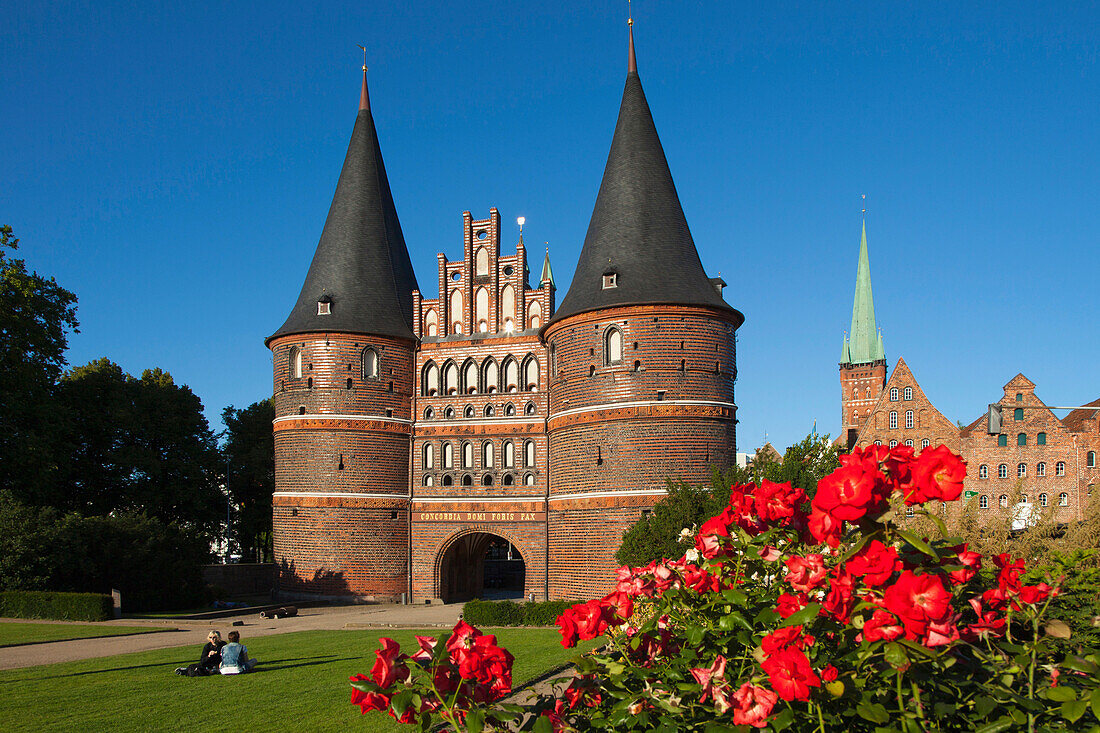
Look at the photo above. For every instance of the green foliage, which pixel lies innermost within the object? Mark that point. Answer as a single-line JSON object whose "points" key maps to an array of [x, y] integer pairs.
{"points": [[508, 613], [803, 465], [156, 566], [58, 606], [36, 316], [1078, 605], [249, 452]]}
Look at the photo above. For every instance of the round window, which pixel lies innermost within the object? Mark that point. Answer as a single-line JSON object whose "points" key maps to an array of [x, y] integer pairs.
{"points": [[508, 270], [456, 276], [482, 234]]}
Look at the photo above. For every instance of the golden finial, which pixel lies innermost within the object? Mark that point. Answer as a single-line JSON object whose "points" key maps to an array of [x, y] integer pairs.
{"points": [[864, 197], [364, 57], [629, 14]]}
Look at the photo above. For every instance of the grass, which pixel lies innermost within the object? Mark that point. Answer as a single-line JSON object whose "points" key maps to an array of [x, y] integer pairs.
{"points": [[301, 684], [15, 632]]}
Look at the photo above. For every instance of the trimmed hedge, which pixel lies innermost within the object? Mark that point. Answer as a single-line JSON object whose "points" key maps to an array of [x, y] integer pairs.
{"points": [[56, 606], [509, 613]]}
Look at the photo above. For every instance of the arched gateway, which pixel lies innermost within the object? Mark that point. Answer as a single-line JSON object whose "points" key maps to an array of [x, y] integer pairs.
{"points": [[479, 565]]}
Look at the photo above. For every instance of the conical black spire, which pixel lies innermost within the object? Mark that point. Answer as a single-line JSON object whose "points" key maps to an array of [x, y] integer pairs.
{"points": [[361, 266], [638, 232]]}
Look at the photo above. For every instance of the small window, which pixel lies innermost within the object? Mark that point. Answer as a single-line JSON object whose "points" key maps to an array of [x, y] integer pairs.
{"points": [[507, 480], [610, 280], [509, 454], [487, 455], [467, 455], [487, 480], [296, 362], [1060, 468], [529, 479], [878, 442], [429, 481], [1002, 470], [1090, 459], [467, 480], [1041, 439], [893, 444], [908, 393], [983, 502], [1002, 440], [924, 444], [301, 409], [370, 363], [448, 480], [1063, 499], [529, 454], [613, 347], [509, 410], [349, 383], [529, 409], [429, 413], [983, 471], [893, 419], [909, 511], [490, 411], [429, 456], [909, 419], [449, 413], [1040, 469], [1021, 439], [1021, 470], [1043, 500], [324, 307], [448, 455], [1019, 397], [1018, 413], [909, 442], [893, 394], [1003, 501], [469, 411]]}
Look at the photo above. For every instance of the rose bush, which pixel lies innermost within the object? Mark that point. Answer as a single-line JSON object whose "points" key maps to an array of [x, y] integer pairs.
{"points": [[784, 614]]}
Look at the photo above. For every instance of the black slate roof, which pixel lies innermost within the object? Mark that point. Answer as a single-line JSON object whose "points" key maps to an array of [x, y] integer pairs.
{"points": [[638, 230], [361, 262]]}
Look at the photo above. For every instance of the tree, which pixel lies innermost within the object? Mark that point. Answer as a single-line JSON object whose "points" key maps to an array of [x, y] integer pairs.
{"points": [[249, 453], [137, 445], [36, 317], [803, 464]]}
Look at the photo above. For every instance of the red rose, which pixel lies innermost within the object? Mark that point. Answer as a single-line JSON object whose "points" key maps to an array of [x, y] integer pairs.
{"points": [[742, 509], [619, 607], [849, 492], [806, 573], [713, 536], [567, 622], [778, 502], [875, 563], [839, 601], [389, 666], [367, 700], [882, 626], [940, 633], [825, 528], [753, 705], [786, 604], [700, 580], [937, 474], [828, 674], [1008, 580], [1032, 594], [790, 674], [788, 636], [918, 600], [988, 624]]}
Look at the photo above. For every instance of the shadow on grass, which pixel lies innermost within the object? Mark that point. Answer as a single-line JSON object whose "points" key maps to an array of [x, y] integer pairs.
{"points": [[273, 666]]}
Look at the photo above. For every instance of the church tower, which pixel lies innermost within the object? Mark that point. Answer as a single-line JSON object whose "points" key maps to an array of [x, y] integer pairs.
{"points": [[642, 361], [343, 384], [863, 360]]}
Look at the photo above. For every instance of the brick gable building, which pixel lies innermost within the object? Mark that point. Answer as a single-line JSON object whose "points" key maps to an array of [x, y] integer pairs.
{"points": [[479, 440], [1037, 458]]}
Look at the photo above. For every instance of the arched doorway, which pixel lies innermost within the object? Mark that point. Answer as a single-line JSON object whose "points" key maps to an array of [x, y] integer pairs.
{"points": [[481, 565]]}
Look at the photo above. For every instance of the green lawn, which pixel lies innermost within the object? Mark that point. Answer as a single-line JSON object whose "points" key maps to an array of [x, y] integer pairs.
{"points": [[301, 684], [16, 632]]}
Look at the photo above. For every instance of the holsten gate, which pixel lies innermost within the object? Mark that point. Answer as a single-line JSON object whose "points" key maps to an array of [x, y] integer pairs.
{"points": [[486, 439]]}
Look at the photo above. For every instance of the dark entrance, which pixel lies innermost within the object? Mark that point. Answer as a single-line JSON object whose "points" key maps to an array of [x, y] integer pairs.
{"points": [[481, 565]]}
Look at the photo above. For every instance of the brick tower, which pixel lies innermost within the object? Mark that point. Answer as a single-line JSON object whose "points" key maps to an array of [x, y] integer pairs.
{"points": [[343, 383], [642, 361], [863, 360]]}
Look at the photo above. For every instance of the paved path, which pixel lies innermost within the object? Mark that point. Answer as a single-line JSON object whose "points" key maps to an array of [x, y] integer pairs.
{"points": [[187, 633]]}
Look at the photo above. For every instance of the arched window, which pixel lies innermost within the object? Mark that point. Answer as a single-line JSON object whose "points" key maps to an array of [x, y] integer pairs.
{"points": [[1003, 501], [507, 305], [491, 376], [429, 481], [431, 323], [481, 261], [553, 362], [450, 378], [531, 374], [924, 444], [893, 394], [893, 443], [448, 455], [511, 375], [908, 393], [1018, 413], [1021, 439], [509, 454], [1043, 500], [469, 377], [429, 380], [1002, 470], [449, 413], [893, 419], [448, 480], [1002, 440], [1021, 470], [613, 346], [878, 442], [456, 311], [467, 480], [487, 480], [983, 471], [487, 455], [429, 456], [529, 454], [370, 363], [529, 409], [1090, 459], [909, 418], [1041, 439], [983, 502], [1060, 468], [534, 314], [1063, 499], [1019, 397], [296, 362], [467, 455], [469, 411], [529, 479], [481, 309], [909, 442], [1040, 469], [490, 411], [429, 413], [509, 410], [507, 480]]}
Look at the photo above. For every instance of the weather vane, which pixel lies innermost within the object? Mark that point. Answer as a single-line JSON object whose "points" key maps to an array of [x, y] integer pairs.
{"points": [[864, 197], [364, 56], [629, 14]]}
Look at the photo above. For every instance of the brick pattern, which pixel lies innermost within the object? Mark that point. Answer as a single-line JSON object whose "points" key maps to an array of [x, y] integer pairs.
{"points": [[903, 415], [861, 387]]}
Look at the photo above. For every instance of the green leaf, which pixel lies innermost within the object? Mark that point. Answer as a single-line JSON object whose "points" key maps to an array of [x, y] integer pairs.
{"points": [[1095, 699], [873, 712], [694, 636], [983, 705], [809, 613], [732, 620], [475, 720], [1079, 665], [1073, 710], [542, 725], [733, 595], [1002, 723], [859, 545], [782, 720], [918, 543], [713, 727], [896, 656], [1060, 694]]}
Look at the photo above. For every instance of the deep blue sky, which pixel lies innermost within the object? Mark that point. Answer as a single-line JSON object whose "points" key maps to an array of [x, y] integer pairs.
{"points": [[173, 163]]}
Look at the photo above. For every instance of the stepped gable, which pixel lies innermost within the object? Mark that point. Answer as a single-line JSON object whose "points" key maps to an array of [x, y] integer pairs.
{"points": [[361, 265], [638, 231]]}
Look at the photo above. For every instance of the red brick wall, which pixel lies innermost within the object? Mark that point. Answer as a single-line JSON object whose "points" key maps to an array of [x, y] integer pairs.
{"points": [[860, 388], [929, 424]]}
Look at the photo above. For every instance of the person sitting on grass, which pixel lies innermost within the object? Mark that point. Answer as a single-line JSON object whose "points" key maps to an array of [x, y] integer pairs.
{"points": [[235, 656], [209, 660]]}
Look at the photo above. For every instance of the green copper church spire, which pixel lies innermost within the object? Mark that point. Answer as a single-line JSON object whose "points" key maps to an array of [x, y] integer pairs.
{"points": [[863, 345]]}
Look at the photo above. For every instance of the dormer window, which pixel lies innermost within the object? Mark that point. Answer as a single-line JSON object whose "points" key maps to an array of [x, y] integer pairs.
{"points": [[610, 280], [324, 306]]}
